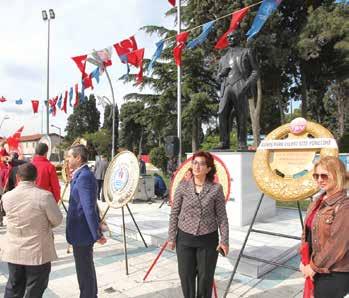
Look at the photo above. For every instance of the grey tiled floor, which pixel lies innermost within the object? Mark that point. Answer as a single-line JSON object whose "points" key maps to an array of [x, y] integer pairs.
{"points": [[163, 280]]}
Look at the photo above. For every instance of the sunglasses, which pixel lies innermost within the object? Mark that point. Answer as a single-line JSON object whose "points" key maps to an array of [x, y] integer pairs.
{"points": [[322, 176]]}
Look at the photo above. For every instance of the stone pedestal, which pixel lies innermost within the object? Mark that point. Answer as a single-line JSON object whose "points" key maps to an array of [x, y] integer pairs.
{"points": [[244, 194]]}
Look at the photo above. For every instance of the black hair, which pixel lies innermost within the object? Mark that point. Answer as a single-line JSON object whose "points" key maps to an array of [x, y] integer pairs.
{"points": [[41, 149], [27, 172]]}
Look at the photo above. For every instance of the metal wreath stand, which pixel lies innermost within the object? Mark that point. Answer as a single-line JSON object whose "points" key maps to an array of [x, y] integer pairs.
{"points": [[251, 229], [121, 202]]}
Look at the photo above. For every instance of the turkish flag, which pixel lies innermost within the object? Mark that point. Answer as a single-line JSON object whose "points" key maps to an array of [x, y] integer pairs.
{"points": [[125, 47], [35, 105], [81, 63], [2, 99], [13, 141], [236, 18], [136, 58], [177, 51], [173, 2], [64, 107], [87, 81]]}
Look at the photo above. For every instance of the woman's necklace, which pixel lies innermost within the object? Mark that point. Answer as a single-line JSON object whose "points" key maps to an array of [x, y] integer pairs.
{"points": [[200, 185]]}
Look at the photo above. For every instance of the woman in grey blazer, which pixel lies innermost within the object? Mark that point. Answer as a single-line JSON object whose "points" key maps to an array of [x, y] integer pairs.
{"points": [[198, 212]]}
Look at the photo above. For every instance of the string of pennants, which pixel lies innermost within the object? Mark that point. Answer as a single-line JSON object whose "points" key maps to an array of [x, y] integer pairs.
{"points": [[130, 54]]}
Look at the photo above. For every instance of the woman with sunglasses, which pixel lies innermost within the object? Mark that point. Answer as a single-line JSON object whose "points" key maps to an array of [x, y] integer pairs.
{"points": [[326, 233], [198, 212]]}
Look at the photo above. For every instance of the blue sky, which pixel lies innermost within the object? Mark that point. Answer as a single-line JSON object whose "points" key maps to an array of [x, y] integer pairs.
{"points": [[80, 26]]}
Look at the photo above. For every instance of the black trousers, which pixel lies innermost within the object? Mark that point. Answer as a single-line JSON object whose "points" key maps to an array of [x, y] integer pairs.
{"points": [[196, 263], [27, 281], [333, 285], [100, 189], [85, 271]]}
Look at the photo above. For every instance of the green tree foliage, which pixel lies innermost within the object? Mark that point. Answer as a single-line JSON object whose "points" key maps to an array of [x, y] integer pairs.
{"points": [[100, 141], [199, 97], [344, 143], [85, 119], [323, 47], [158, 158], [108, 122], [211, 141], [132, 125], [302, 52]]}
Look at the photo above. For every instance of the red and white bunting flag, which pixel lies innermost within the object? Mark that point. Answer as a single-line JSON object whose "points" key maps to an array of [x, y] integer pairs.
{"points": [[236, 19], [177, 51], [35, 105]]}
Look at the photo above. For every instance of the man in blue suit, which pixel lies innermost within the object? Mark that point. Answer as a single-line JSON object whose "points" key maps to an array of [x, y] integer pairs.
{"points": [[83, 228]]}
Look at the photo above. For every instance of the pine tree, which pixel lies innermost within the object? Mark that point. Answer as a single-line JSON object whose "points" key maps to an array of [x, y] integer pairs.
{"points": [[85, 119]]}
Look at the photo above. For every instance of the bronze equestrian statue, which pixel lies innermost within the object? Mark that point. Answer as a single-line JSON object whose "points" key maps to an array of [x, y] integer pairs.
{"points": [[238, 74]]}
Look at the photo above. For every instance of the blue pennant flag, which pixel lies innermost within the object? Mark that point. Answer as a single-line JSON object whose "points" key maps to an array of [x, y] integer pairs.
{"points": [[159, 49], [59, 103], [125, 76], [71, 92], [206, 29], [265, 10], [95, 74], [19, 101]]}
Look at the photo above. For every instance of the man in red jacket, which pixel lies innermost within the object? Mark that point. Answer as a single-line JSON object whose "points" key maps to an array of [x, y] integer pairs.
{"points": [[47, 177]]}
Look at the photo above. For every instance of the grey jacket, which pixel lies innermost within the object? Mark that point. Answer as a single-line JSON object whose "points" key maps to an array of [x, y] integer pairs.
{"points": [[100, 169], [199, 215]]}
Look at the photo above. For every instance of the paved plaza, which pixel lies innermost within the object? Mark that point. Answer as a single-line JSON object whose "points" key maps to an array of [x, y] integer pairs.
{"points": [[163, 281]]}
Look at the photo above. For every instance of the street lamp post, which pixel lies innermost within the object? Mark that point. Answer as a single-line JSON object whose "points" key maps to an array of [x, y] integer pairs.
{"points": [[48, 18], [113, 128], [3, 119], [59, 144], [97, 60]]}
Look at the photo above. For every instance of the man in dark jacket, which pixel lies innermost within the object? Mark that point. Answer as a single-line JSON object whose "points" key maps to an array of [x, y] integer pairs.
{"points": [[83, 229], [99, 171], [14, 163]]}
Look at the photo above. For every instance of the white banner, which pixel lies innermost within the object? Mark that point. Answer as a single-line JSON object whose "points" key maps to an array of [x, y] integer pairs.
{"points": [[298, 144]]}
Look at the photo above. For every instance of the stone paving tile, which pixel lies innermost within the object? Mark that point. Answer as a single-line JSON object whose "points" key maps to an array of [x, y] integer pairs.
{"points": [[163, 281]]}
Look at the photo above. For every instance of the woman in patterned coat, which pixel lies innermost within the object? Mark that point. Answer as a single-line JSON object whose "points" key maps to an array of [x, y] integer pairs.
{"points": [[198, 212]]}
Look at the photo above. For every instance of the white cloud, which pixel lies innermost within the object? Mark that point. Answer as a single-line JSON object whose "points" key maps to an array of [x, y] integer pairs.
{"points": [[79, 27]]}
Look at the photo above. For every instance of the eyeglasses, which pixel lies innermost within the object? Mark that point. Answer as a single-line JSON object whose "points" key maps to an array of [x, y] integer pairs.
{"points": [[322, 176], [198, 163]]}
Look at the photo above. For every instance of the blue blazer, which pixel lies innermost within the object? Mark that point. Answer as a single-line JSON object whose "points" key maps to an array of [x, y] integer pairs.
{"points": [[82, 219]]}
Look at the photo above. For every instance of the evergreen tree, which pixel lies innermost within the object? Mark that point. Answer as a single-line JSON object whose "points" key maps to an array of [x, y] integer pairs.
{"points": [[85, 119], [132, 125], [108, 122], [302, 52]]}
